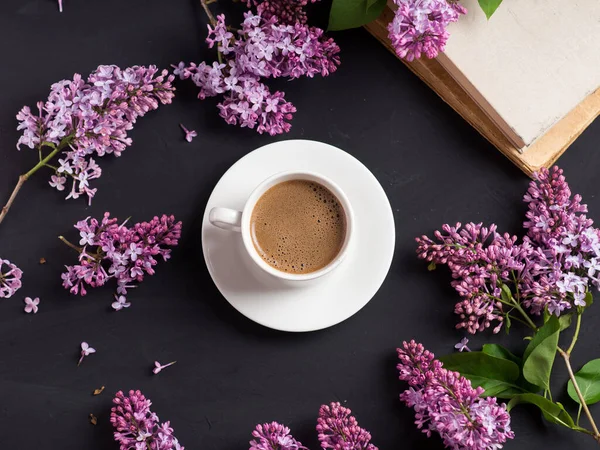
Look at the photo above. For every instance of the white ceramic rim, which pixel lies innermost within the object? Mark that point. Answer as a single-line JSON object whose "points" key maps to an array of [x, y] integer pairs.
{"points": [[287, 176]]}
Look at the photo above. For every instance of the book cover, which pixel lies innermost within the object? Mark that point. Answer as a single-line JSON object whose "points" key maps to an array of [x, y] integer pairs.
{"points": [[528, 66]]}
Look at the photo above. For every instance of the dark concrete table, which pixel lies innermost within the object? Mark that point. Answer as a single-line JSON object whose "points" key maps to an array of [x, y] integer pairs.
{"points": [[232, 373]]}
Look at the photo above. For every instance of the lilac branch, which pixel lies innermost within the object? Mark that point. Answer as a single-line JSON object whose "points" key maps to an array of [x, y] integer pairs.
{"points": [[23, 178], [582, 402], [208, 12]]}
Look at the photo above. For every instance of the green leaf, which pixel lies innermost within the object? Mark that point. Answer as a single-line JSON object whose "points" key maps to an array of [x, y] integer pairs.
{"points": [[496, 375], [506, 294], [431, 266], [507, 324], [589, 299], [552, 412], [540, 353], [547, 315], [489, 6], [498, 351], [543, 332], [565, 321], [588, 380], [346, 14], [501, 352]]}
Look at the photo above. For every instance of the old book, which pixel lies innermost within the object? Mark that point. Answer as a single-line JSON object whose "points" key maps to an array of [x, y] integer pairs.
{"points": [[527, 79]]}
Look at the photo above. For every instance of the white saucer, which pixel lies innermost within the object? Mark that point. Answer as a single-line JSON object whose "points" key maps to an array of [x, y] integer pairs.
{"points": [[340, 294]]}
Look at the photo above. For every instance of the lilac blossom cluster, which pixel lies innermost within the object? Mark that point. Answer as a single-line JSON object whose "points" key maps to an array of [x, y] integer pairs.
{"points": [[552, 270], [273, 436], [287, 11], [137, 427], [446, 403], [420, 26], [264, 48], [84, 118], [339, 430], [566, 263], [112, 250], [481, 260], [10, 278]]}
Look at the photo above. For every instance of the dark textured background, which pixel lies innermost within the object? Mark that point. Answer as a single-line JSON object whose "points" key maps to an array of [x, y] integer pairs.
{"points": [[232, 373]]}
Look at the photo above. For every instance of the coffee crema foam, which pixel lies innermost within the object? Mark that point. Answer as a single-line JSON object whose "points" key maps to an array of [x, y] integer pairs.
{"points": [[298, 226]]}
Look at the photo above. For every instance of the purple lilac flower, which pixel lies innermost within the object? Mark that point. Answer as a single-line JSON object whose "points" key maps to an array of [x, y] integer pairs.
{"points": [[273, 436], [481, 261], [267, 49], [419, 26], [120, 303], [86, 350], [189, 134], [462, 345], [566, 263], [446, 403], [287, 12], [139, 428], [86, 118], [255, 106], [339, 430], [58, 182], [31, 306], [10, 278], [113, 250], [263, 48], [552, 270], [158, 367]]}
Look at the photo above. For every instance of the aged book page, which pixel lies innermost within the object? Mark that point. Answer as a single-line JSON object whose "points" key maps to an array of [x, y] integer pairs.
{"points": [[530, 64]]}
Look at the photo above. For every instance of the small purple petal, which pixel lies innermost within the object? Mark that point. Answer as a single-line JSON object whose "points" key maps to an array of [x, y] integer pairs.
{"points": [[462, 345], [31, 305]]}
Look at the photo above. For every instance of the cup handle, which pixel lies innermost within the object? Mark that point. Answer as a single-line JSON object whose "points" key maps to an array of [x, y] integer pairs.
{"points": [[225, 218]]}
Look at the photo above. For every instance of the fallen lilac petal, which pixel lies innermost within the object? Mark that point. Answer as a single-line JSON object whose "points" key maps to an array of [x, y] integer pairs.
{"points": [[158, 366], [189, 134], [85, 351], [120, 303], [31, 305], [462, 345]]}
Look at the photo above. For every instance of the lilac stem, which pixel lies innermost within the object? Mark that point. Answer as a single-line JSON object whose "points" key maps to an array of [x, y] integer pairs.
{"points": [[567, 359], [212, 21], [208, 12], [575, 335], [23, 178], [73, 246]]}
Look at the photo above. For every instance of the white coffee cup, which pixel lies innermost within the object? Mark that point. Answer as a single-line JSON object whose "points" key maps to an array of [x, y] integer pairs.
{"points": [[233, 220]]}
